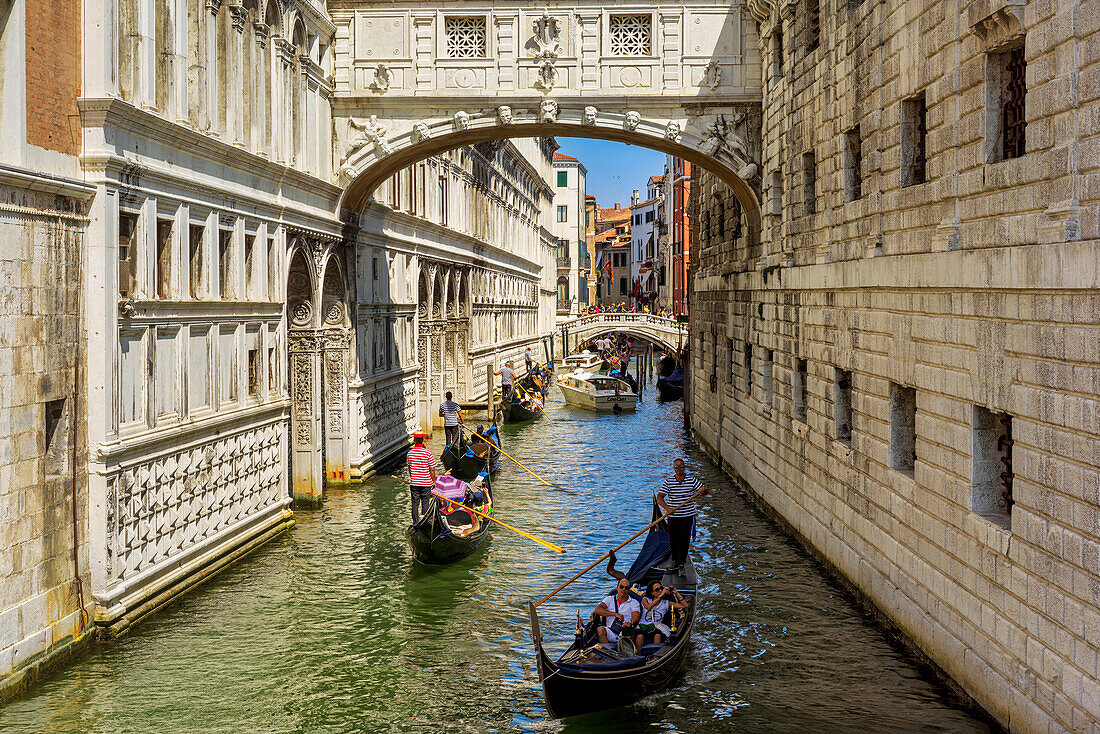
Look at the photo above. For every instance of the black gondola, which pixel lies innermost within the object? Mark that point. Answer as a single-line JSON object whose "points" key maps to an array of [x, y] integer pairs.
{"points": [[666, 365], [671, 387], [527, 385], [518, 413], [588, 677], [466, 460], [431, 543]]}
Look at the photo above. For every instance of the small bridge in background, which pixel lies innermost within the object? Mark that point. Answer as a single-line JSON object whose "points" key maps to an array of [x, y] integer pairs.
{"points": [[666, 333]]}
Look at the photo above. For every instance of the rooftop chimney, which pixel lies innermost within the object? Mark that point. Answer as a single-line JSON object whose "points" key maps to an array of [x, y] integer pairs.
{"points": [[634, 198]]}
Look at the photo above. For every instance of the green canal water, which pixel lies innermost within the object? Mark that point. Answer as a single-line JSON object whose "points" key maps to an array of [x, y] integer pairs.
{"points": [[334, 628]]}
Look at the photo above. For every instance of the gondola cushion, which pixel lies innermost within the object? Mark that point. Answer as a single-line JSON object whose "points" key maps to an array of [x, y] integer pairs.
{"points": [[651, 649], [610, 665]]}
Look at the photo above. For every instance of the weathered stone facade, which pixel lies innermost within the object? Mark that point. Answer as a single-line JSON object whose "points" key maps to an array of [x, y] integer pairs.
{"points": [[902, 362]]}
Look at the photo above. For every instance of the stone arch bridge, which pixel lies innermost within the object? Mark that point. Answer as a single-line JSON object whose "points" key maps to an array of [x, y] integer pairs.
{"points": [[411, 82], [666, 333]]}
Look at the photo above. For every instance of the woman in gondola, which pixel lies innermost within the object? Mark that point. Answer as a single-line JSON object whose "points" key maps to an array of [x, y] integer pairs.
{"points": [[655, 604]]}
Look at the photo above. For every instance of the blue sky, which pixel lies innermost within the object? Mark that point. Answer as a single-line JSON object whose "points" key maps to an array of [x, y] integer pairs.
{"points": [[614, 169]]}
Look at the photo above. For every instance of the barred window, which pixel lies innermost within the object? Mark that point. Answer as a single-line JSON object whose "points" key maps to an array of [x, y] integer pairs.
{"points": [[631, 35], [1013, 120], [466, 38], [914, 136]]}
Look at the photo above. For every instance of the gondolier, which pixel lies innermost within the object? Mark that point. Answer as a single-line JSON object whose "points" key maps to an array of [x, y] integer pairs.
{"points": [[507, 380], [421, 475], [676, 490], [451, 413]]}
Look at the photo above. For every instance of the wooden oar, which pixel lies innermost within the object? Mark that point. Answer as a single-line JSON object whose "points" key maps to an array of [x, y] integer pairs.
{"points": [[498, 448], [605, 556], [541, 542]]}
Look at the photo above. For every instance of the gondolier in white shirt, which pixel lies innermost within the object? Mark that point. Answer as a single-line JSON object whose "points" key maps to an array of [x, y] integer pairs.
{"points": [[451, 412], [676, 490]]}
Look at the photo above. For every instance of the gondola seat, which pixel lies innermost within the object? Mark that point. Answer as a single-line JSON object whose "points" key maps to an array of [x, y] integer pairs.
{"points": [[651, 649], [609, 665]]}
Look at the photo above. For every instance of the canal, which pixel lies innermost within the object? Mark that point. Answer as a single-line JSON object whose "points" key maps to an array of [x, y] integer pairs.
{"points": [[333, 627]]}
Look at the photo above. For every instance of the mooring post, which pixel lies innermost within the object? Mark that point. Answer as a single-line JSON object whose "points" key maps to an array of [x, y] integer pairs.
{"points": [[489, 397]]}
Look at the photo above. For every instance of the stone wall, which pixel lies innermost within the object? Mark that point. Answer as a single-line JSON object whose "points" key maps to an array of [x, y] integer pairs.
{"points": [[902, 360], [41, 236]]}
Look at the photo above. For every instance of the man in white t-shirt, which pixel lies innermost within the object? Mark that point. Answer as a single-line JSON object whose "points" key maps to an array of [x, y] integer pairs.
{"points": [[618, 607]]}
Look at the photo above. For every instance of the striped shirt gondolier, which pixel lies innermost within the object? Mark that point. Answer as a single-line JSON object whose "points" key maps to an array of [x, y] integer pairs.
{"points": [[420, 462], [449, 410], [676, 492]]}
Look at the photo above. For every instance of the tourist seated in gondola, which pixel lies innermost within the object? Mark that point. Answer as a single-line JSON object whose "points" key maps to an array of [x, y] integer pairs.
{"points": [[655, 605], [492, 434], [620, 614]]}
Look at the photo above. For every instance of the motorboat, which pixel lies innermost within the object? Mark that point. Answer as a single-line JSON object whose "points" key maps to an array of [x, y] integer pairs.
{"points": [[597, 392], [586, 360]]}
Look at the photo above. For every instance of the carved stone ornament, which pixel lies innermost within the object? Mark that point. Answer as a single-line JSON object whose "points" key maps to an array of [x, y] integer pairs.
{"points": [[335, 313], [369, 133], [548, 111], [547, 76], [301, 314], [383, 78], [996, 22], [631, 121], [504, 115], [590, 115], [238, 14], [420, 132], [712, 75], [462, 120], [547, 36], [722, 136], [672, 130]]}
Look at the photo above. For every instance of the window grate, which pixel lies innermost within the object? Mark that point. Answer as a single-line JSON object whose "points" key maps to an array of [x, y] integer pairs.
{"points": [[631, 35], [813, 25], [1013, 119], [466, 38]]}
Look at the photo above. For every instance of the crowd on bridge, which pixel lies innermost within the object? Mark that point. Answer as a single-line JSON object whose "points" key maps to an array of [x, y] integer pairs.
{"points": [[628, 308]]}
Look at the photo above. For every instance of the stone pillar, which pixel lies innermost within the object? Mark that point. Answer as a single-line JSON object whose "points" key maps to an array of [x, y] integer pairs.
{"points": [[307, 479], [213, 71], [335, 358], [261, 90], [234, 90], [282, 121]]}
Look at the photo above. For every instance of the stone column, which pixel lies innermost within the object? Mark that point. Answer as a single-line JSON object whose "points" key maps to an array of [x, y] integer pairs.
{"points": [[335, 358], [307, 480], [234, 90], [282, 121], [261, 87], [213, 71]]}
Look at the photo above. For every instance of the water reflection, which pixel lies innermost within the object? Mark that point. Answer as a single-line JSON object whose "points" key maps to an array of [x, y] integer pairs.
{"points": [[334, 628]]}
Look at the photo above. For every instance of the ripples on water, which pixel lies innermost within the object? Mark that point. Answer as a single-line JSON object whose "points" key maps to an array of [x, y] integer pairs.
{"points": [[334, 628]]}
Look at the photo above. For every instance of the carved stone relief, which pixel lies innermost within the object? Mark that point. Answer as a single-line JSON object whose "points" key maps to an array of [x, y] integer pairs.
{"points": [[712, 75], [383, 78], [548, 111], [631, 121], [462, 120], [590, 114], [504, 115]]}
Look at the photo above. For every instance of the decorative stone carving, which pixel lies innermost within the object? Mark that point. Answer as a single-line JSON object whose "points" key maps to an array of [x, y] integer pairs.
{"points": [[238, 14], [334, 314], [548, 111], [590, 113], [712, 75], [301, 314], [547, 76], [631, 121], [420, 132], [383, 78], [504, 115], [462, 120], [722, 136], [996, 22], [672, 130], [370, 133], [547, 36]]}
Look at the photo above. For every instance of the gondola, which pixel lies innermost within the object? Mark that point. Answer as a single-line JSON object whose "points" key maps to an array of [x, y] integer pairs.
{"points": [[432, 545], [467, 460], [527, 384], [671, 387], [519, 413], [588, 677]]}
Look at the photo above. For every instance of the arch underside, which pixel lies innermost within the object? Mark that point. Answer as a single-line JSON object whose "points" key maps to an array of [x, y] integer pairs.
{"points": [[692, 139], [633, 331]]}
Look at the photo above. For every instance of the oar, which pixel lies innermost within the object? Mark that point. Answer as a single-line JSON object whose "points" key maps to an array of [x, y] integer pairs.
{"points": [[498, 448], [620, 545], [541, 542]]}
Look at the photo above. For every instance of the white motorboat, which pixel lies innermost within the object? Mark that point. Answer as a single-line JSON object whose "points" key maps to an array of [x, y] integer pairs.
{"points": [[586, 361], [597, 392]]}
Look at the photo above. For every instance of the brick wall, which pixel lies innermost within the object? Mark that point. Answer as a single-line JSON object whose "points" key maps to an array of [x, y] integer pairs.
{"points": [[977, 289], [53, 74]]}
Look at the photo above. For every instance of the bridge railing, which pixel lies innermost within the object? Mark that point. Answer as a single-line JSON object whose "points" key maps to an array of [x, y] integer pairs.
{"points": [[638, 319]]}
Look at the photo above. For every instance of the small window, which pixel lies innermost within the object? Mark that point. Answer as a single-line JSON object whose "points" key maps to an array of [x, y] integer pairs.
{"points": [[731, 359], [273, 279], [746, 362], [249, 264], [903, 421], [842, 392], [809, 182], [56, 459], [272, 372], [777, 53], [649, 216], [164, 258], [853, 165], [630, 35], [1007, 91], [253, 372], [563, 212], [127, 255], [914, 129], [769, 356], [622, 286], [801, 389], [467, 37], [374, 267], [991, 473], [225, 263], [196, 235], [813, 25], [563, 178]]}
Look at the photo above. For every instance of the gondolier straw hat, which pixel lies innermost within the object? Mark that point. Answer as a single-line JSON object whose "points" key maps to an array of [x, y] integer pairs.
{"points": [[419, 436]]}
